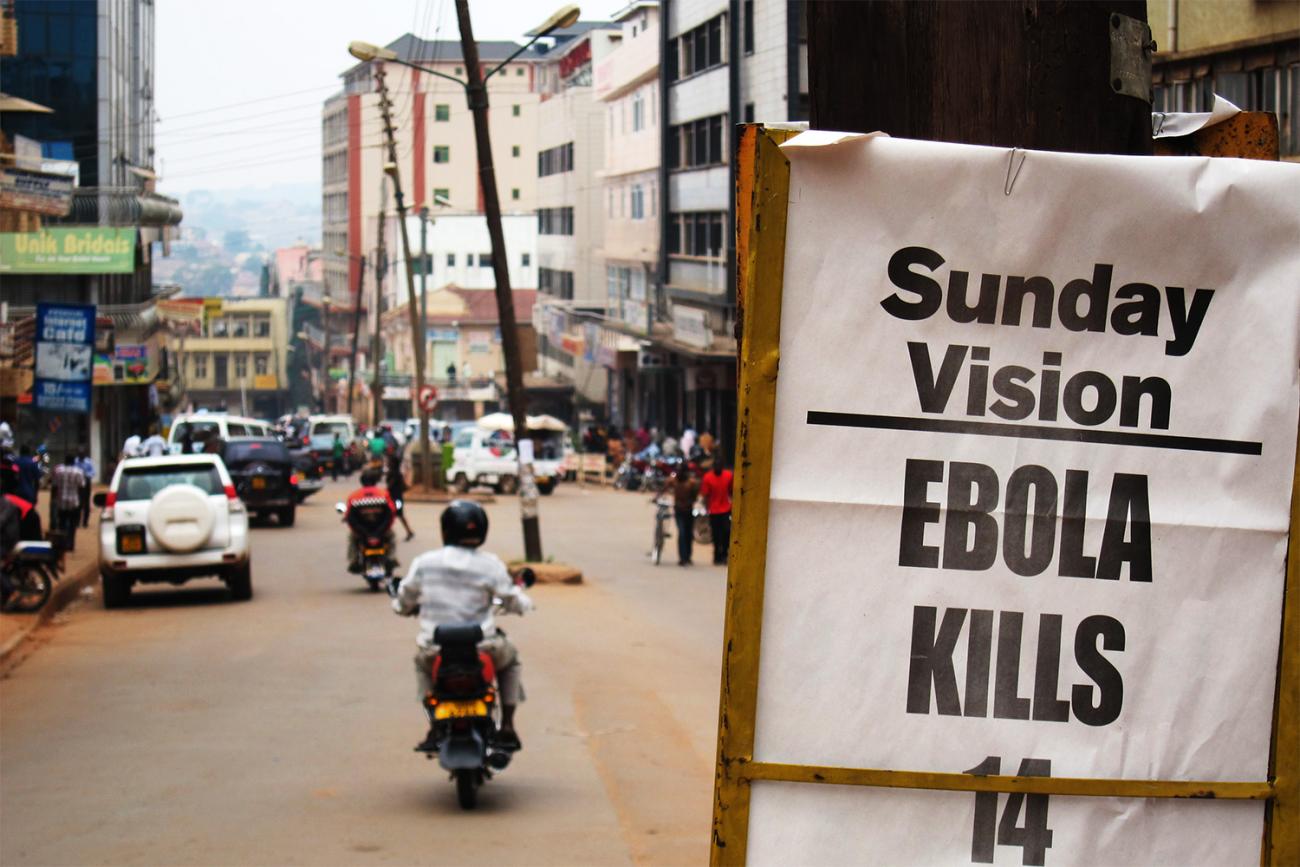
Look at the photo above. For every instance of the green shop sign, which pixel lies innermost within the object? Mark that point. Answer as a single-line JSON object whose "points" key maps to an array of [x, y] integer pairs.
{"points": [[68, 251]]}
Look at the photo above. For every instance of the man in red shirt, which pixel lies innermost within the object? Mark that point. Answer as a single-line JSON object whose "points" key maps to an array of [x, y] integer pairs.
{"points": [[370, 512], [715, 488]]}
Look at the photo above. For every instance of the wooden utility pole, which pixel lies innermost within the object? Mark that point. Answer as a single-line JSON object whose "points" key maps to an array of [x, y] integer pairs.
{"points": [[381, 268], [356, 332], [1010, 73], [477, 94], [423, 471]]}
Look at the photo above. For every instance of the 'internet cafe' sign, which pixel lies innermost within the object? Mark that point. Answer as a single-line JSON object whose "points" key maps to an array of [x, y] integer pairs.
{"points": [[1029, 503], [68, 251]]}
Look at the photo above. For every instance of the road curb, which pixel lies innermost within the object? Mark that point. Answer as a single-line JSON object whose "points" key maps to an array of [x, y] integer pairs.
{"points": [[67, 589]]}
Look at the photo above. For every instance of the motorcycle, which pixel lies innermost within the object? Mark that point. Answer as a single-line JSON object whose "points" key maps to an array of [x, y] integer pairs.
{"points": [[464, 706], [631, 474], [370, 522], [27, 576]]}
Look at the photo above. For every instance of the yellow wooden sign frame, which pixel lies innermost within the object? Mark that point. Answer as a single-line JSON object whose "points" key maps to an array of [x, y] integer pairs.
{"points": [[762, 191]]}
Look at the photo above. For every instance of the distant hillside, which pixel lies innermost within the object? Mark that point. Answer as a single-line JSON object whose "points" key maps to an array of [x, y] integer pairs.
{"points": [[272, 216]]}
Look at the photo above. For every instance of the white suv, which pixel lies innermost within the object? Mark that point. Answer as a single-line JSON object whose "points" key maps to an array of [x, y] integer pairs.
{"points": [[169, 519]]}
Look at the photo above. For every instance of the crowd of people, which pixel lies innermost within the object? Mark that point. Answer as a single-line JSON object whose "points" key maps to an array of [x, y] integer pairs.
{"points": [[23, 474]]}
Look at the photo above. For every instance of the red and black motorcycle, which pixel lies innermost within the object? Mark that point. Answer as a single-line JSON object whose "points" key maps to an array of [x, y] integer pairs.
{"points": [[370, 521]]}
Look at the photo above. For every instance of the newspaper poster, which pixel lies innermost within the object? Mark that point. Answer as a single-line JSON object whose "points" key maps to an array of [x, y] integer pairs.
{"points": [[1034, 445]]}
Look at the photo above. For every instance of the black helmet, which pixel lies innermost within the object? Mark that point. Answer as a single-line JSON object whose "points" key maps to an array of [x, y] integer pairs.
{"points": [[464, 523], [369, 478]]}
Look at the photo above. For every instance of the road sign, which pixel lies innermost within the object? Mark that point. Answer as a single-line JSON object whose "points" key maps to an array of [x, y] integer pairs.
{"points": [[1026, 471], [428, 398]]}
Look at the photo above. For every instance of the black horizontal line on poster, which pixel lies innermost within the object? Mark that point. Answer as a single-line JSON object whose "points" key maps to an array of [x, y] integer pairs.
{"points": [[1025, 431]]}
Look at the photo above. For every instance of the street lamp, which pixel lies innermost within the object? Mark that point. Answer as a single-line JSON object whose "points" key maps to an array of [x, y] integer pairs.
{"points": [[476, 94]]}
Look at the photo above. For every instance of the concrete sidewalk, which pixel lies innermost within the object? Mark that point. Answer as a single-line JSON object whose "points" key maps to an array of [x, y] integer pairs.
{"points": [[80, 569]]}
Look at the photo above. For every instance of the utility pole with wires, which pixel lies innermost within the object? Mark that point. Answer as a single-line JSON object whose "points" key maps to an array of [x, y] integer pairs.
{"points": [[423, 473], [477, 93], [356, 332], [381, 268]]}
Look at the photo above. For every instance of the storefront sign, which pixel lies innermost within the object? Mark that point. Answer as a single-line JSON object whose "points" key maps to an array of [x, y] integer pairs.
{"points": [[35, 191], [265, 382], [68, 251], [128, 364], [691, 326], [65, 338], [1030, 486]]}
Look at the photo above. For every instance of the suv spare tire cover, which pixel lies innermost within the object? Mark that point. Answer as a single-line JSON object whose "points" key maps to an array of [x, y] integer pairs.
{"points": [[181, 518]]}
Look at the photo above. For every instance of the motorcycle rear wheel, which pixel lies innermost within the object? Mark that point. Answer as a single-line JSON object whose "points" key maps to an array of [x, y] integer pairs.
{"points": [[27, 589], [467, 789]]}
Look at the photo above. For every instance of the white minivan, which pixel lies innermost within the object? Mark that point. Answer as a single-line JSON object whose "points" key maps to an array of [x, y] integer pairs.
{"points": [[203, 426]]}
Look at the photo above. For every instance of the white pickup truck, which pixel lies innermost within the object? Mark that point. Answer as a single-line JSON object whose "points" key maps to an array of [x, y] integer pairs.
{"points": [[487, 457]]}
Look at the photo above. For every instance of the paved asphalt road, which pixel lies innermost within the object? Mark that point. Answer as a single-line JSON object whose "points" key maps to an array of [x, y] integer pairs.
{"points": [[187, 729]]}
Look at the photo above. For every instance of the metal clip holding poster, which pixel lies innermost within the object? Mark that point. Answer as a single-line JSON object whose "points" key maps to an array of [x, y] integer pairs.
{"points": [[1011, 178], [763, 189]]}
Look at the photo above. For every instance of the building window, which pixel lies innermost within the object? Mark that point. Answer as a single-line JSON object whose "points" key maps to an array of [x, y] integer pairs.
{"points": [[555, 221], [697, 143], [558, 284], [696, 50], [262, 326], [519, 70], [451, 260], [555, 161], [241, 366], [239, 327], [217, 327], [514, 110], [200, 365], [638, 112], [697, 233], [460, 71], [442, 112], [526, 259], [261, 364], [442, 153], [485, 260], [514, 150], [749, 26], [443, 193], [638, 202], [514, 193]]}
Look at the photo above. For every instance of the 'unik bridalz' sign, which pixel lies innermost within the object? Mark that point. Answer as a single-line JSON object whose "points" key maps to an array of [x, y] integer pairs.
{"points": [[1029, 504]]}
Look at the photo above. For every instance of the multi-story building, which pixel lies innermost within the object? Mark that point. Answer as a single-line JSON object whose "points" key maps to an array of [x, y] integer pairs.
{"points": [[627, 83], [570, 206], [464, 348], [239, 361], [1244, 50], [724, 62], [92, 64], [437, 157]]}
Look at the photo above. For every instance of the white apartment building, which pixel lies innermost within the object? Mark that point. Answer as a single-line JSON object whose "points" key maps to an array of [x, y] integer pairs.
{"points": [[570, 208], [458, 252], [437, 156], [724, 62], [627, 83]]}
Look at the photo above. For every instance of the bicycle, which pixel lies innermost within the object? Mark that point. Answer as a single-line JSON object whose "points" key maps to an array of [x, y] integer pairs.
{"points": [[27, 577], [663, 514]]}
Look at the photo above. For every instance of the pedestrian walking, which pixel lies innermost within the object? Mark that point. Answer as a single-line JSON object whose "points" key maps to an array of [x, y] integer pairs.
{"points": [[715, 488], [29, 474], [336, 455], [154, 445], [131, 448], [87, 467], [685, 488], [396, 482], [687, 442], [65, 492], [706, 443]]}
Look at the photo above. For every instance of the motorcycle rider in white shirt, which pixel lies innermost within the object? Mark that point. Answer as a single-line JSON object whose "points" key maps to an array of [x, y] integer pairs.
{"points": [[460, 584]]}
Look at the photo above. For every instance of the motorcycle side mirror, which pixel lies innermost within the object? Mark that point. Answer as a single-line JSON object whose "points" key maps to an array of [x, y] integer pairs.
{"points": [[99, 499], [526, 577], [340, 508]]}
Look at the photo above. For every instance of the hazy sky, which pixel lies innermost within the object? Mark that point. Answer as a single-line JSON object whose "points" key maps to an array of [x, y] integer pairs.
{"points": [[240, 82]]}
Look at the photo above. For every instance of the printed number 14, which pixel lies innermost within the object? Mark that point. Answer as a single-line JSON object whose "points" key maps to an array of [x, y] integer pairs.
{"points": [[1033, 836]]}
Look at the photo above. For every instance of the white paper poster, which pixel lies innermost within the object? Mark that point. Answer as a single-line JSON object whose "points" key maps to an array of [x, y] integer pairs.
{"points": [[1030, 494]]}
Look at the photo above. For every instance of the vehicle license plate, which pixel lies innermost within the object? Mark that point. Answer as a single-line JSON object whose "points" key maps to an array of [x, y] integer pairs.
{"points": [[132, 543], [455, 709], [259, 483], [374, 552]]}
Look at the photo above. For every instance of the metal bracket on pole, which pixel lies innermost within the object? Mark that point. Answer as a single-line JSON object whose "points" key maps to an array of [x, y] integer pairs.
{"points": [[1131, 48]]}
